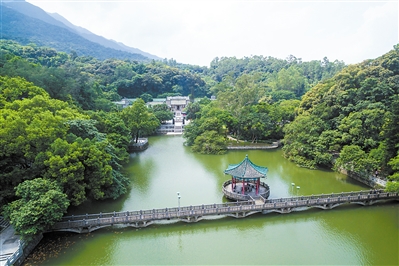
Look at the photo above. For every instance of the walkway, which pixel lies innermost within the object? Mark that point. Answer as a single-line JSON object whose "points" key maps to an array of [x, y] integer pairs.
{"points": [[91, 222], [9, 244], [379, 181], [253, 146]]}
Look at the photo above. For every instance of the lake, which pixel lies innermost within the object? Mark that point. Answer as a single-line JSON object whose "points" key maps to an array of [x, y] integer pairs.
{"points": [[346, 235]]}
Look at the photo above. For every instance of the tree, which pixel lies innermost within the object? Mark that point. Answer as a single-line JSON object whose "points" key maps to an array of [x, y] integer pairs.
{"points": [[29, 127], [146, 97], [139, 120], [162, 112], [300, 139], [81, 168], [41, 204], [12, 89], [290, 79], [210, 142], [192, 110], [354, 159]]}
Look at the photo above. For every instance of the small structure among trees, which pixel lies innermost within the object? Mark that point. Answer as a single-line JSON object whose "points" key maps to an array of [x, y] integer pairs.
{"points": [[245, 181]]}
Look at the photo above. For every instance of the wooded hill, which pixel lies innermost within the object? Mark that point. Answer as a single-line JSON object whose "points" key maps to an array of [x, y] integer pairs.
{"points": [[353, 118], [93, 83]]}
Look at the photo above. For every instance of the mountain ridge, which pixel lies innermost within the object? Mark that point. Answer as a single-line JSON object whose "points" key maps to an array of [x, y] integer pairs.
{"points": [[100, 39], [38, 27]]}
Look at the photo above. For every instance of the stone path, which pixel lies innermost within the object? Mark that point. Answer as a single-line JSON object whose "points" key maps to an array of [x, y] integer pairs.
{"points": [[379, 181]]}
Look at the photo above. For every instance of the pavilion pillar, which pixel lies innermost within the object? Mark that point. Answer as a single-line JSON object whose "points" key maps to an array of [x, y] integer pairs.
{"points": [[257, 186], [243, 186]]}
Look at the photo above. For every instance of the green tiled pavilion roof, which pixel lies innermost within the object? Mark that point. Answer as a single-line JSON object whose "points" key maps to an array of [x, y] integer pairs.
{"points": [[246, 169]]}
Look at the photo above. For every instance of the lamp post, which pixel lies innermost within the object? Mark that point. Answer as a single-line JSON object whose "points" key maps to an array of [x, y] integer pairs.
{"points": [[292, 187], [178, 201], [297, 189]]}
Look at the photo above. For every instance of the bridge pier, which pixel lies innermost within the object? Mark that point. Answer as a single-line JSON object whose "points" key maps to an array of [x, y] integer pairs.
{"points": [[140, 224], [191, 219], [244, 214], [82, 230]]}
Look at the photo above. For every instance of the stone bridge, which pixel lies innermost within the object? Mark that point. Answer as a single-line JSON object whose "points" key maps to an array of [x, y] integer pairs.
{"points": [[189, 214]]}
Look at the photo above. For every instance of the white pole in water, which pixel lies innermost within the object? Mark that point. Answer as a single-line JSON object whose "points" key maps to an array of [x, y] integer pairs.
{"points": [[292, 186], [297, 189]]}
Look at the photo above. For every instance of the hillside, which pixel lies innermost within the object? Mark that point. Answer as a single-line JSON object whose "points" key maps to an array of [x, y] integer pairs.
{"points": [[353, 118], [27, 29]]}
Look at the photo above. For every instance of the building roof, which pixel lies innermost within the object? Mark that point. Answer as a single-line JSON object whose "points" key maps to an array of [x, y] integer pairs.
{"points": [[246, 169], [178, 102]]}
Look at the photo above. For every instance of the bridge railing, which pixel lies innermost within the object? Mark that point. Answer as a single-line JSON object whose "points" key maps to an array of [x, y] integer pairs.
{"points": [[323, 196], [333, 198], [346, 195], [153, 211], [84, 221]]}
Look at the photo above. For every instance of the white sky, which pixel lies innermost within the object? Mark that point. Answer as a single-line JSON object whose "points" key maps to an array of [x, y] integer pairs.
{"points": [[195, 32]]}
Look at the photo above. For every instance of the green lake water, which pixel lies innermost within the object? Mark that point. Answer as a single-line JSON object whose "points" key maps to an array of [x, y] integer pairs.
{"points": [[346, 235]]}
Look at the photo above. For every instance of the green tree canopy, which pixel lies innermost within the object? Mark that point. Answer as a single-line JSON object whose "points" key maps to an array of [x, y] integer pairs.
{"points": [[41, 203], [139, 119]]}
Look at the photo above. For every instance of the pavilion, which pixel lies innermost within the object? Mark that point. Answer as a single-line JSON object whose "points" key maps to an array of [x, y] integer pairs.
{"points": [[245, 181]]}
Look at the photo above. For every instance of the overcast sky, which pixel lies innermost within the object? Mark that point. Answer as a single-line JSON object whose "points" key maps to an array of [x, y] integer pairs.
{"points": [[195, 32]]}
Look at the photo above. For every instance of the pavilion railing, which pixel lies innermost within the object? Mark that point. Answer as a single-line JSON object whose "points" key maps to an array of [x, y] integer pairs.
{"points": [[239, 196]]}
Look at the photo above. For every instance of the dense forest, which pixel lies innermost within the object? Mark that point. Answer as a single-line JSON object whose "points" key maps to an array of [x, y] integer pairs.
{"points": [[351, 121], [63, 141]]}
